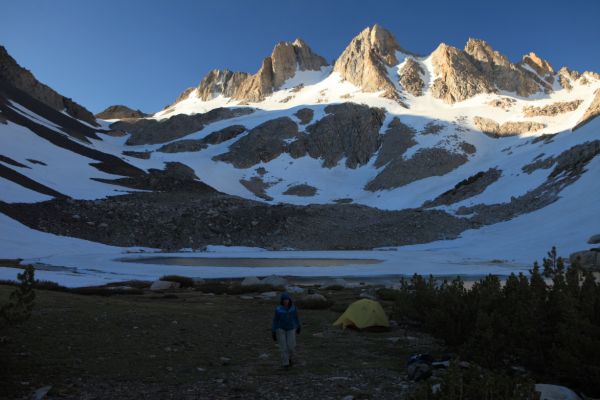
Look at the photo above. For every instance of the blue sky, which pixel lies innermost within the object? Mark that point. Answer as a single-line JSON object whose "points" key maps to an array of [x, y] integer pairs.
{"points": [[144, 53]]}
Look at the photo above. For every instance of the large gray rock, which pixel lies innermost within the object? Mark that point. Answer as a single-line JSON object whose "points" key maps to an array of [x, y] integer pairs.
{"points": [[250, 281], [313, 301], [302, 190], [164, 285], [587, 259], [275, 281]]}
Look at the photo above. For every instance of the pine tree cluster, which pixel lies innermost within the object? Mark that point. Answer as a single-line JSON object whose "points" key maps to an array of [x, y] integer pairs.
{"points": [[547, 322]]}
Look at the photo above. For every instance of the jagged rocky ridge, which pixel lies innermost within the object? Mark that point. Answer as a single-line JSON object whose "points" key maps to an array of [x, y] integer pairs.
{"points": [[282, 64], [15, 75]]}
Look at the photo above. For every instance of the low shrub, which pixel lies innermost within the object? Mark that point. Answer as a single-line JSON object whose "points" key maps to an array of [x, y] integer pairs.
{"points": [[388, 294]]}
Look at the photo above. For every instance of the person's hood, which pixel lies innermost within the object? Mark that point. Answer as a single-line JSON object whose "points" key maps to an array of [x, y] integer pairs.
{"points": [[285, 296]]}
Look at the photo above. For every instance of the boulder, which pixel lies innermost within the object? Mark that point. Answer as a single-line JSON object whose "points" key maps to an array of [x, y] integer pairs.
{"points": [[250, 281], [268, 295], [294, 289], [588, 259], [302, 190], [313, 301], [164, 285], [275, 281]]}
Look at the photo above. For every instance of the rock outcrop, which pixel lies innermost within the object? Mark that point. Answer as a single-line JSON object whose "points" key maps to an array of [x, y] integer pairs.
{"points": [[511, 128], [15, 75], [305, 115], [150, 131], [281, 65], [592, 111], [190, 145], [349, 131], [221, 82], [566, 77], [411, 77], [480, 69], [262, 144], [424, 163], [540, 66], [458, 77], [472, 186], [120, 112], [257, 186], [505, 103], [397, 139], [302, 190], [365, 61], [553, 109]]}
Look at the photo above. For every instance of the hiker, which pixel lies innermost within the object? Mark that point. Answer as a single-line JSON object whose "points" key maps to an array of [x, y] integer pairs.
{"points": [[285, 327]]}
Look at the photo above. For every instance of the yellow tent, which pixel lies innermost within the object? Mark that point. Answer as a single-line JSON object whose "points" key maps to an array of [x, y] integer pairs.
{"points": [[363, 314]]}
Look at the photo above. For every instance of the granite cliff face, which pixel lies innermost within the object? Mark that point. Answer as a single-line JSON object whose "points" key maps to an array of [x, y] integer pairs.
{"points": [[461, 74], [13, 74], [366, 59], [286, 59]]}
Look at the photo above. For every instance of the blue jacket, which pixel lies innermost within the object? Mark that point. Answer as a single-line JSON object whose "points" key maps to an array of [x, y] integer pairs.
{"points": [[285, 318]]}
